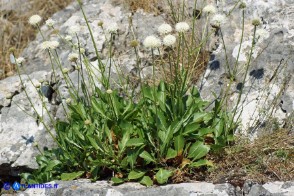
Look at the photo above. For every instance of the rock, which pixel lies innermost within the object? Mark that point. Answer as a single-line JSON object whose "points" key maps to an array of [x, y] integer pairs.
{"points": [[103, 188], [13, 5], [266, 87], [258, 190], [19, 129]]}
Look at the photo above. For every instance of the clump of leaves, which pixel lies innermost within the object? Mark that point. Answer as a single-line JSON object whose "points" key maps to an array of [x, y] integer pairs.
{"points": [[144, 141]]}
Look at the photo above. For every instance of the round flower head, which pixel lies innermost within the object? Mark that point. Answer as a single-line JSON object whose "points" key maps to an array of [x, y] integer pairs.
{"points": [[82, 50], [112, 28], [74, 29], [209, 9], [109, 91], [218, 19], [68, 38], [50, 22], [68, 100], [134, 43], [242, 5], [65, 70], [87, 122], [35, 20], [182, 27], [49, 45], [164, 29], [53, 44], [100, 23], [73, 57], [256, 22], [19, 60], [152, 42], [45, 45], [169, 40]]}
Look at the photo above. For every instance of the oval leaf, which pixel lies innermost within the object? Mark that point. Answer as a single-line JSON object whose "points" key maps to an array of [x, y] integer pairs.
{"points": [[200, 163], [147, 156], [162, 176], [198, 150], [117, 180], [135, 175], [71, 176], [135, 142], [171, 153], [146, 180]]}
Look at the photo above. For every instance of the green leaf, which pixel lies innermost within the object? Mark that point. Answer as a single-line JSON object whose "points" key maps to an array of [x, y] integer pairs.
{"points": [[94, 143], [135, 142], [162, 176], [52, 164], [116, 104], [76, 130], [72, 142], [200, 163], [71, 176], [205, 131], [179, 144], [147, 156], [132, 155], [191, 128], [99, 109], [117, 181], [135, 175], [161, 116], [171, 153], [146, 180], [122, 145], [219, 128], [198, 117], [198, 150]]}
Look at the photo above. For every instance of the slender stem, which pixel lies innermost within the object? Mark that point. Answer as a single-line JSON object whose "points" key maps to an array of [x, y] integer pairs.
{"points": [[100, 64], [245, 75]]}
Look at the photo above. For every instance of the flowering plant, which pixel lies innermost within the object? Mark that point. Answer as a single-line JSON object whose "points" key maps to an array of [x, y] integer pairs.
{"points": [[147, 137]]}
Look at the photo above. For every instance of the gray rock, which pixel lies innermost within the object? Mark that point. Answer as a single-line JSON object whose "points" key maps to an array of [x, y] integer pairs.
{"points": [[103, 188], [258, 190], [271, 55]]}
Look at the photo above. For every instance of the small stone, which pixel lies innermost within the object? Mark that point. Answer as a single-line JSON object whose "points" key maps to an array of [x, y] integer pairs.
{"points": [[9, 96], [214, 65]]}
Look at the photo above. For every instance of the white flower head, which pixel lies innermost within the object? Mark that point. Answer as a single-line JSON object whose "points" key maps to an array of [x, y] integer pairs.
{"points": [[35, 20], [19, 60], [74, 29], [68, 100], [82, 50], [218, 19], [65, 70], [164, 29], [152, 42], [45, 45], [169, 40], [112, 28], [68, 38], [182, 27], [50, 22], [109, 91], [209, 9], [49, 45], [73, 57], [53, 44]]}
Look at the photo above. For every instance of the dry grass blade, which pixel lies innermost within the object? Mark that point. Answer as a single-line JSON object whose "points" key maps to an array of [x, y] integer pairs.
{"points": [[17, 33], [268, 158]]}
